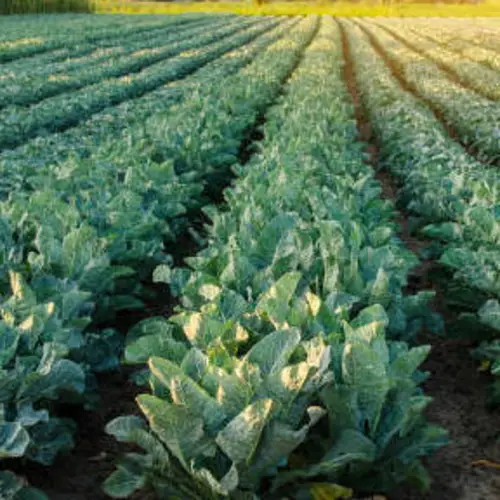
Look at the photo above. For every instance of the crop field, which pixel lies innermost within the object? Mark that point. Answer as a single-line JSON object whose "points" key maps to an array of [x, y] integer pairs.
{"points": [[249, 257]]}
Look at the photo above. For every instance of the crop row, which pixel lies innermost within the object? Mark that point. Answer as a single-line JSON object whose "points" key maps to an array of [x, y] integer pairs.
{"points": [[466, 48], [477, 34], [89, 29], [74, 252], [276, 369], [18, 124], [30, 26], [471, 74], [474, 118], [454, 197], [124, 122], [33, 85], [59, 59]]}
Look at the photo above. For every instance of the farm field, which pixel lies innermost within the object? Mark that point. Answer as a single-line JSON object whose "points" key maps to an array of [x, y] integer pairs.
{"points": [[249, 257]]}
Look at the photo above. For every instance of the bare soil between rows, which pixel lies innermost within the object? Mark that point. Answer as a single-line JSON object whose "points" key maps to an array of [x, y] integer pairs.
{"points": [[79, 475]]}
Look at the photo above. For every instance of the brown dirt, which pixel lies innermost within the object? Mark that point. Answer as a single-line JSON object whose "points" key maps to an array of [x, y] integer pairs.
{"points": [[79, 474], [458, 389], [459, 405]]}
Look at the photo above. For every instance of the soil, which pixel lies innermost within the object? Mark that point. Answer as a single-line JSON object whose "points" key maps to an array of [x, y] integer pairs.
{"points": [[79, 474], [459, 405], [458, 388]]}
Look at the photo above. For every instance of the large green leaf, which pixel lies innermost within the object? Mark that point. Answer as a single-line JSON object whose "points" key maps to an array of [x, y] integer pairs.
{"points": [[179, 429], [161, 345], [351, 448], [241, 436], [274, 303], [123, 427], [186, 393], [272, 353], [14, 440], [489, 314], [370, 323], [366, 375], [405, 365], [51, 378], [125, 480]]}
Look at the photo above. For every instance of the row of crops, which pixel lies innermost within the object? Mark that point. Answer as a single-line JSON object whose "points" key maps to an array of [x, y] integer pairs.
{"points": [[448, 183], [290, 366]]}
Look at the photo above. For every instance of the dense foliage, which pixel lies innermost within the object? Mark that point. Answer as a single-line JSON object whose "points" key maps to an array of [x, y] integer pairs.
{"points": [[283, 322], [290, 366], [452, 195]]}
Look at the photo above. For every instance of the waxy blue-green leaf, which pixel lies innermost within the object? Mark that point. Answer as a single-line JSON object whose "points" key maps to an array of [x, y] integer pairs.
{"points": [[186, 393], [177, 427], [274, 303], [271, 354], [241, 436]]}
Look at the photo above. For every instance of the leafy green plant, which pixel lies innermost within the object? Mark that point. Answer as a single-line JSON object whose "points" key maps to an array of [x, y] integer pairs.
{"points": [[14, 488], [220, 422], [374, 406], [369, 388], [79, 238]]}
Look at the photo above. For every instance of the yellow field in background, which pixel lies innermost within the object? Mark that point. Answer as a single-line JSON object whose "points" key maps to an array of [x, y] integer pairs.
{"points": [[486, 9]]}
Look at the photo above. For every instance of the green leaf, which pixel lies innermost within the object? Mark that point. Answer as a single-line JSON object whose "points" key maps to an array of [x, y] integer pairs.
{"points": [[351, 446], [366, 375], [240, 438], [10, 485], [185, 392], [200, 329], [272, 353], [380, 292], [123, 482], [489, 314], [446, 231], [21, 291], [368, 325], [162, 274], [155, 345], [274, 303], [9, 340], [49, 380], [122, 427], [179, 429], [14, 440], [405, 365], [48, 439], [278, 442], [77, 250]]}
